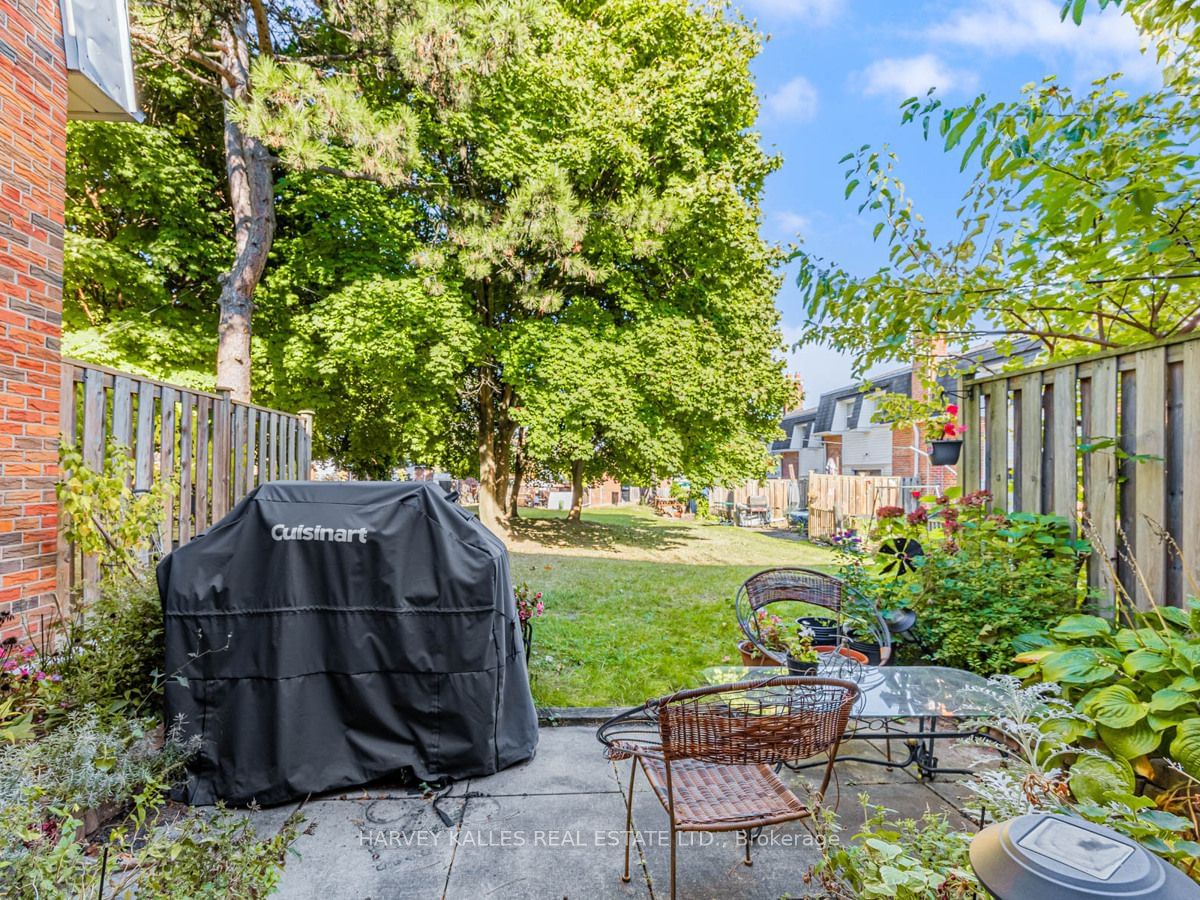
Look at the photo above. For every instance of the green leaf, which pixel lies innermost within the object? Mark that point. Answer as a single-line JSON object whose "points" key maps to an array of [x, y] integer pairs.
{"points": [[850, 187], [1130, 743], [1140, 661], [1081, 626], [1092, 778], [1159, 245], [1077, 9], [1117, 707], [1185, 749], [1079, 665], [1169, 699]]}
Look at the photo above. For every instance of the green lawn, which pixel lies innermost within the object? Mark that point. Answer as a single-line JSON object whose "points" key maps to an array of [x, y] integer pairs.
{"points": [[637, 605]]}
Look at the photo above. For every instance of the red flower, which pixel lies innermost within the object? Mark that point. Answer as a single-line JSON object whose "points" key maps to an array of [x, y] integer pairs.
{"points": [[918, 516], [952, 409], [916, 494], [889, 512]]}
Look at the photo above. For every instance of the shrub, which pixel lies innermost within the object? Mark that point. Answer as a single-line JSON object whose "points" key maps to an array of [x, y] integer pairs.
{"points": [[86, 762], [114, 652], [982, 580]]}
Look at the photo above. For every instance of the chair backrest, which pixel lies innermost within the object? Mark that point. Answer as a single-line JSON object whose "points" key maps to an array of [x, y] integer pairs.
{"points": [[807, 585], [758, 502], [768, 721]]}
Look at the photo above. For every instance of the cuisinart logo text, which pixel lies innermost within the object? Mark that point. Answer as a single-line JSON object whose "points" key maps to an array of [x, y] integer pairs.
{"points": [[318, 533]]}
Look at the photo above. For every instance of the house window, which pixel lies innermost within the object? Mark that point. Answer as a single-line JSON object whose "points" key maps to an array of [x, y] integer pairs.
{"points": [[841, 414]]}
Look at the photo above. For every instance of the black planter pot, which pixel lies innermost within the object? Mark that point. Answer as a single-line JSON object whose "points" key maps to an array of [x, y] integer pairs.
{"points": [[872, 652], [825, 631], [945, 453], [795, 667]]}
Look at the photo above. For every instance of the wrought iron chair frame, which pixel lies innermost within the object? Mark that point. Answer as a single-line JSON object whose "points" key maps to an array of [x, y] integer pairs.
{"points": [[807, 586]]}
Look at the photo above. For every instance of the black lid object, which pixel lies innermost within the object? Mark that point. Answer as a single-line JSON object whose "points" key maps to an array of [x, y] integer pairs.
{"points": [[326, 635], [898, 555], [1064, 858]]}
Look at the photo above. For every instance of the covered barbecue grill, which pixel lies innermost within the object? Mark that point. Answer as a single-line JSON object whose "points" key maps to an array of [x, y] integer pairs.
{"points": [[330, 634]]}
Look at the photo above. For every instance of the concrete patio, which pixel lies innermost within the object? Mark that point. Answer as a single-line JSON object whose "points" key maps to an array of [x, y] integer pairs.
{"points": [[554, 828]]}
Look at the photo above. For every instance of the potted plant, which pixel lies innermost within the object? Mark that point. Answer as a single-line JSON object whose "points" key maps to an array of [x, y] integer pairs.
{"points": [[928, 414], [945, 437], [770, 635], [825, 631], [801, 651], [529, 607]]}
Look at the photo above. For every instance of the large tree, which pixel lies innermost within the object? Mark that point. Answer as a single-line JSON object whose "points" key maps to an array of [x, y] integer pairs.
{"points": [[214, 43], [563, 161]]}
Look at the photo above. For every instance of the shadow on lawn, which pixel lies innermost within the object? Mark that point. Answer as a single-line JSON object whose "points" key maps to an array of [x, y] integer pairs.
{"points": [[614, 532]]}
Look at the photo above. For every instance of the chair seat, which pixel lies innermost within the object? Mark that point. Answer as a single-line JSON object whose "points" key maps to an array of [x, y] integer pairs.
{"points": [[711, 797]]}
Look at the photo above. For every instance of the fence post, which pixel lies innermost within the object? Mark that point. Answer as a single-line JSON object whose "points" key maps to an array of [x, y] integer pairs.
{"points": [[222, 425]]}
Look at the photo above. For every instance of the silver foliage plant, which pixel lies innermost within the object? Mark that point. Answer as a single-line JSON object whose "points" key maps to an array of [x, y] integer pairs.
{"points": [[1032, 723], [88, 762]]}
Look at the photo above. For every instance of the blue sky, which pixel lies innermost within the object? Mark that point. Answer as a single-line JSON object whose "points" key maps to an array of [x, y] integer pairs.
{"points": [[831, 78]]}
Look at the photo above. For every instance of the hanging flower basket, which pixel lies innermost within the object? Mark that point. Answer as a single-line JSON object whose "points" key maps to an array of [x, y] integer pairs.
{"points": [[945, 453]]}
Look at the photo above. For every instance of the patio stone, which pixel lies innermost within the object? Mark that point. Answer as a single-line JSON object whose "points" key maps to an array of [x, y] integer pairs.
{"points": [[377, 849], [543, 845], [569, 760]]}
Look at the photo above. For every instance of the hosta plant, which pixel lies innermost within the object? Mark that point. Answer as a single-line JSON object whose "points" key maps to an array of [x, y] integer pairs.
{"points": [[1138, 683]]}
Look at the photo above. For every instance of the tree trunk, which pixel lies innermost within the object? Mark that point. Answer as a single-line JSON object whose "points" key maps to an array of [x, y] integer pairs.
{"points": [[518, 474], [251, 199], [576, 512], [492, 502]]}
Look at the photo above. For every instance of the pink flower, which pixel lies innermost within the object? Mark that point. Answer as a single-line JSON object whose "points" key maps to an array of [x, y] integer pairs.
{"points": [[28, 652]]}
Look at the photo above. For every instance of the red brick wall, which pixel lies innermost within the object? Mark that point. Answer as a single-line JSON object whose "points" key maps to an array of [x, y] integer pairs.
{"points": [[33, 130]]}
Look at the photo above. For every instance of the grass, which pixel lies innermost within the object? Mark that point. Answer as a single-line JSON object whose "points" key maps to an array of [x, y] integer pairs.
{"points": [[637, 605]]}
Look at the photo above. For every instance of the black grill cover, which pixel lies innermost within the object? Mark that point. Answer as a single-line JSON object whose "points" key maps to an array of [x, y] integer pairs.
{"points": [[329, 634]]}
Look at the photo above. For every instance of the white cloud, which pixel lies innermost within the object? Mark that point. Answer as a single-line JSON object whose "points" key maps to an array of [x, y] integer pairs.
{"points": [[795, 101], [791, 223], [912, 76], [1103, 43], [814, 12]]}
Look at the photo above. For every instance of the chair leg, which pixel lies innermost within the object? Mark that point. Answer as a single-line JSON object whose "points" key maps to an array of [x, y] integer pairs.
{"points": [[629, 817], [749, 838], [672, 860]]}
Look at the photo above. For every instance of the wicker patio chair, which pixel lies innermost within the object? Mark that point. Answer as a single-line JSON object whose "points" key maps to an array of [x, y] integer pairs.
{"points": [[787, 585], [709, 753]]}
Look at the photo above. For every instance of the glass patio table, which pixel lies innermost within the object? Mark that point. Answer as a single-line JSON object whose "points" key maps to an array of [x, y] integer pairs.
{"points": [[891, 694]]}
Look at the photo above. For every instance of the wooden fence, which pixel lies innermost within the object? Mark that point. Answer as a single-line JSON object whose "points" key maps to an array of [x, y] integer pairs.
{"points": [[218, 448], [836, 502], [1111, 439]]}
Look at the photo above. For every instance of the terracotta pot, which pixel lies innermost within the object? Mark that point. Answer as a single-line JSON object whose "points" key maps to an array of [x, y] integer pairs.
{"points": [[752, 657], [860, 658]]}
